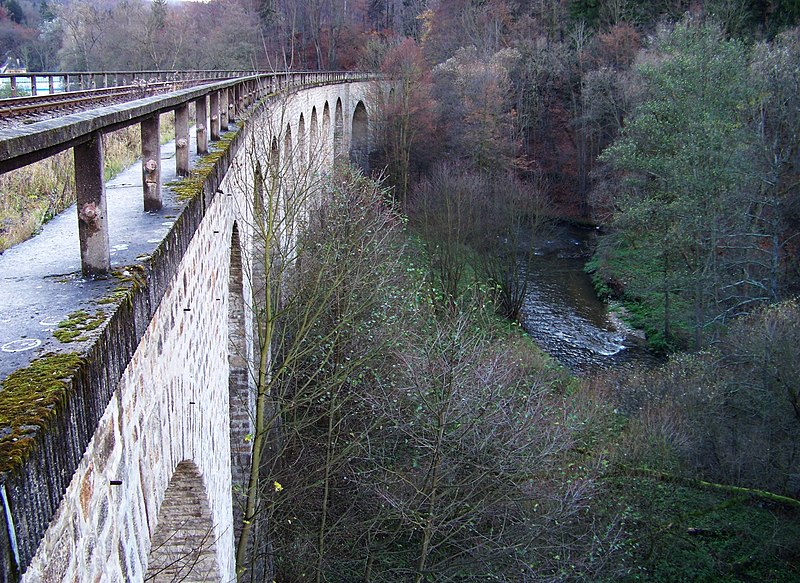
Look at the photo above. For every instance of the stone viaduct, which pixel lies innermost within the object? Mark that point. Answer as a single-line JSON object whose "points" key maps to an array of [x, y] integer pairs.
{"points": [[130, 382]]}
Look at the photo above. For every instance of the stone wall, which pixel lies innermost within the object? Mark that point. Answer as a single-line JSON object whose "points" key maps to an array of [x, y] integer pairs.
{"points": [[180, 401]]}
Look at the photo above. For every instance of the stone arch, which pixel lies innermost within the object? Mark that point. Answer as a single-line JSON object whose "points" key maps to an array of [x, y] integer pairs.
{"points": [[239, 392], [274, 166], [288, 155], [338, 131], [258, 192], [183, 546], [359, 138], [326, 120], [302, 152], [325, 145], [313, 145]]}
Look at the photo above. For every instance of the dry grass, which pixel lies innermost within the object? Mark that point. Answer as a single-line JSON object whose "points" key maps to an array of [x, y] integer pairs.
{"points": [[34, 194]]}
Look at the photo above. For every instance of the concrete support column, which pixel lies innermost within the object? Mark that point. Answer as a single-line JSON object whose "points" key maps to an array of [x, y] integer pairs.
{"points": [[92, 215], [151, 163], [233, 109], [201, 113], [214, 111], [182, 140], [223, 110]]}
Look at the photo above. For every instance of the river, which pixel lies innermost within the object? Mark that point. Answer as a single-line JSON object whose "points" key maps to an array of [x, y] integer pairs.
{"points": [[562, 313]]}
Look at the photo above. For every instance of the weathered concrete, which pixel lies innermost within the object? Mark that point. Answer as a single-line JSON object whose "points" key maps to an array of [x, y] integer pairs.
{"points": [[151, 162], [92, 209], [165, 382], [201, 116], [182, 140], [213, 112]]}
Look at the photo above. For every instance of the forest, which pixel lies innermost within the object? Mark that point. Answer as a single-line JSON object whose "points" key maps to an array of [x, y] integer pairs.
{"points": [[411, 430]]}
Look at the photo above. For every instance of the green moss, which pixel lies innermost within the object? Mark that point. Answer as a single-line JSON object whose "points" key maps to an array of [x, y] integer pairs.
{"points": [[133, 275], [132, 278], [76, 327], [29, 398], [192, 186], [78, 324]]}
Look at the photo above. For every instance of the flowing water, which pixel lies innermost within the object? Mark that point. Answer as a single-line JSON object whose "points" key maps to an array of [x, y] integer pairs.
{"points": [[562, 313]]}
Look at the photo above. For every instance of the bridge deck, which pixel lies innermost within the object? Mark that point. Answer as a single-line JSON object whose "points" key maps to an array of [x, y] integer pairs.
{"points": [[40, 279]]}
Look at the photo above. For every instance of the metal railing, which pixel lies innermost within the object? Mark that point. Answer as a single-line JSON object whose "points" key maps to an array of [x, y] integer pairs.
{"points": [[216, 105], [37, 83]]}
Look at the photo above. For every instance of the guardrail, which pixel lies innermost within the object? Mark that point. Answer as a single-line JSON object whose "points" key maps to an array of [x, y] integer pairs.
{"points": [[36, 83], [216, 105]]}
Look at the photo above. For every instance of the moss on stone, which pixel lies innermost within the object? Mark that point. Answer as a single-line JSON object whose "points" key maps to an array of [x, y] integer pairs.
{"points": [[133, 275], [29, 398], [132, 278], [192, 186], [77, 325]]}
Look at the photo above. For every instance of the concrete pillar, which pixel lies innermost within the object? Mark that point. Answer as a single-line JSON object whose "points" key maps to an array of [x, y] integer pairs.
{"points": [[214, 111], [201, 113], [182, 140], [92, 215], [223, 110], [151, 163], [232, 105]]}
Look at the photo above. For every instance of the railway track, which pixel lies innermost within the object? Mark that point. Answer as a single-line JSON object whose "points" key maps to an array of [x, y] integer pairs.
{"points": [[16, 111]]}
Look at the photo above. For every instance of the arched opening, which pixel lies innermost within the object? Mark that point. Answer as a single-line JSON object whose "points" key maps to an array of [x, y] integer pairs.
{"points": [[239, 400], [274, 167], [391, 95], [338, 132], [183, 546], [326, 133], [313, 146], [301, 143], [258, 193], [288, 155], [359, 138]]}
